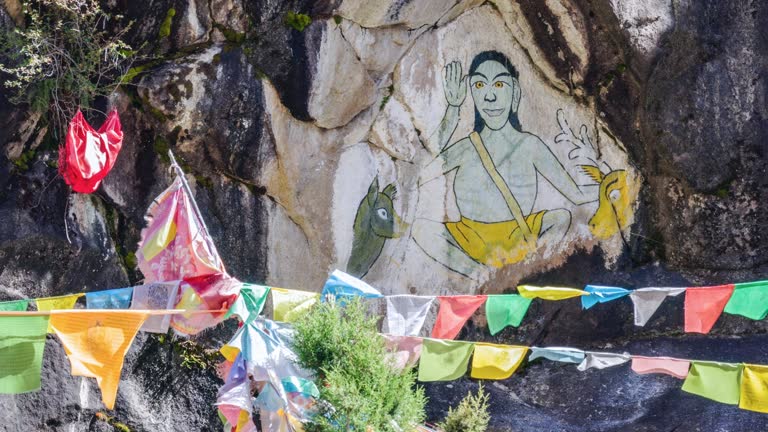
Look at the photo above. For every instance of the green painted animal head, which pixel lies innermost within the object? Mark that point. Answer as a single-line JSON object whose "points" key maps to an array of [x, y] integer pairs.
{"points": [[378, 213]]}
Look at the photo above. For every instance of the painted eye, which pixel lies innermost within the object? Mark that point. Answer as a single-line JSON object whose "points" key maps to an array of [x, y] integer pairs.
{"points": [[614, 195], [479, 85], [383, 214], [498, 84]]}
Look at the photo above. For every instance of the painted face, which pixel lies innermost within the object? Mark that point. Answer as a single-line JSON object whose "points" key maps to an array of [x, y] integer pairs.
{"points": [[493, 90]]}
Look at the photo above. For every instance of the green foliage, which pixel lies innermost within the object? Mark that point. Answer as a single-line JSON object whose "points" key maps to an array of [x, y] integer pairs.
{"points": [[23, 162], [192, 354], [297, 21], [359, 388], [165, 26], [118, 426], [470, 416], [69, 53]]}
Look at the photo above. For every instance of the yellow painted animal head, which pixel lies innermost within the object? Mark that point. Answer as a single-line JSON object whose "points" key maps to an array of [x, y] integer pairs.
{"points": [[618, 193]]}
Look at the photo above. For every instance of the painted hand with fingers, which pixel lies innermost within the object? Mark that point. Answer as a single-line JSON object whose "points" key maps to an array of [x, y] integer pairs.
{"points": [[454, 84], [583, 151]]}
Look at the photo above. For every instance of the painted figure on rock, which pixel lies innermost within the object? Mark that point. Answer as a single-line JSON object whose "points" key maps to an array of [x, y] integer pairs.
{"points": [[497, 169], [375, 222]]}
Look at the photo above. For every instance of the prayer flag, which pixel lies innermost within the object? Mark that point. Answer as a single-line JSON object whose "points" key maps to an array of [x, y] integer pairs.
{"points": [[55, 303], [406, 314], [444, 360], [602, 360], [558, 354], [663, 365], [404, 350], [96, 343], [703, 306], [496, 362], [716, 381], [234, 399], [249, 303], [14, 305], [290, 305], [155, 296], [88, 155], [22, 341], [110, 299], [208, 292], [174, 244], [601, 294], [505, 310], [454, 312], [754, 388], [549, 293], [647, 300], [342, 286], [750, 300]]}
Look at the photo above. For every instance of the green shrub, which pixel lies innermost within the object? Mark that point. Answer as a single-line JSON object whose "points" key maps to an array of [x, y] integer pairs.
{"points": [[68, 54], [470, 416], [297, 21], [359, 388]]}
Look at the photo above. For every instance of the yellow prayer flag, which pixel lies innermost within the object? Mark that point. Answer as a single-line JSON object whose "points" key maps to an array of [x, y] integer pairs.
{"points": [[549, 293], [290, 305], [754, 388], [55, 303], [96, 343], [496, 362]]}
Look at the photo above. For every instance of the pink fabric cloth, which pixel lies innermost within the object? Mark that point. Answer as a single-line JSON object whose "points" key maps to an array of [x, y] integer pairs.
{"points": [[173, 245], [208, 292], [405, 350], [663, 365], [454, 312]]}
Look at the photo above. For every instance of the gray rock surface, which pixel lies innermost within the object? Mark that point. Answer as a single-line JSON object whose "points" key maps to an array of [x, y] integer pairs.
{"points": [[281, 131]]}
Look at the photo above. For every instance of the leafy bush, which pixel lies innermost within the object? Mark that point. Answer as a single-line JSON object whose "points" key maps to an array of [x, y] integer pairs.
{"points": [[69, 53], [470, 416], [359, 388]]}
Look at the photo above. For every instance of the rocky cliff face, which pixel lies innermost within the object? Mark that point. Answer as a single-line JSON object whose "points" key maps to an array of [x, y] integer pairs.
{"points": [[285, 133]]}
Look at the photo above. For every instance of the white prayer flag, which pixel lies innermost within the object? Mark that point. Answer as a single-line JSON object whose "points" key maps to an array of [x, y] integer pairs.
{"points": [[647, 300], [406, 314], [602, 360]]}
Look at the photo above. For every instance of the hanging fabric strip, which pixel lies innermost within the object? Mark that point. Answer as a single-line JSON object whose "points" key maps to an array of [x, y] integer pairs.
{"points": [[601, 294], [404, 351], [208, 292], [664, 365], [14, 305], [443, 360], [290, 305], [342, 286], [704, 305], [496, 362], [96, 343], [602, 360], [249, 303], [55, 303], [749, 300], [558, 354], [155, 296], [647, 300], [716, 381], [22, 341], [406, 314], [109, 299], [549, 293], [505, 310], [754, 388], [453, 313]]}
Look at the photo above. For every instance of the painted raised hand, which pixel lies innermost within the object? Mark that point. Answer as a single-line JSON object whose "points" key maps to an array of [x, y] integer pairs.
{"points": [[454, 84], [583, 151]]}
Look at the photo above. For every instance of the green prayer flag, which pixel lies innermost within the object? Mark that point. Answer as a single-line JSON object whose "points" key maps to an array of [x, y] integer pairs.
{"points": [[505, 310], [22, 340], [444, 360], [750, 300], [717, 381], [14, 306], [249, 303]]}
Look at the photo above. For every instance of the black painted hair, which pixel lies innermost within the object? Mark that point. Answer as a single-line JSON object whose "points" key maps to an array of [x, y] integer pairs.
{"points": [[504, 60]]}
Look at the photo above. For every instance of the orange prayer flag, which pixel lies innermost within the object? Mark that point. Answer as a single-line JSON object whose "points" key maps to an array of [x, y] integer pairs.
{"points": [[454, 312], [704, 305], [96, 343]]}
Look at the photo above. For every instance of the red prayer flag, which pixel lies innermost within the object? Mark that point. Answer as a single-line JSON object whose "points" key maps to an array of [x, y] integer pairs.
{"points": [[207, 292], [704, 305], [454, 312], [88, 154]]}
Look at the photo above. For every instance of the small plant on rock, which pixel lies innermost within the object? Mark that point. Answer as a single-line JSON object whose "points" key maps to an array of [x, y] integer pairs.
{"points": [[359, 388], [471, 415]]}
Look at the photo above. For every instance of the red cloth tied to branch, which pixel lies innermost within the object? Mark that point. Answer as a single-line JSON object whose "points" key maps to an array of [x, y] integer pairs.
{"points": [[88, 154]]}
